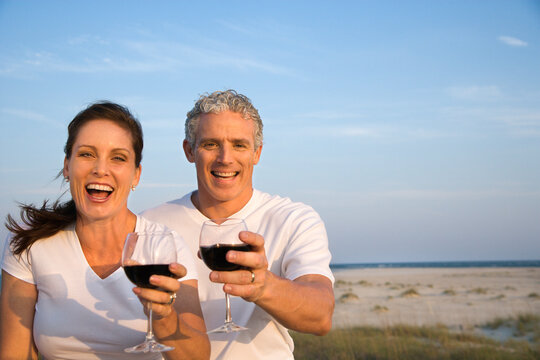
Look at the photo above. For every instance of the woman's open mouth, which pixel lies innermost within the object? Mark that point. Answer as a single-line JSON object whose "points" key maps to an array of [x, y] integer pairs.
{"points": [[99, 191]]}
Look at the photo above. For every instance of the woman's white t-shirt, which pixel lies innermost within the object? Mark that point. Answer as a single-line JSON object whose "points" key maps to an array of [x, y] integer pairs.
{"points": [[79, 315]]}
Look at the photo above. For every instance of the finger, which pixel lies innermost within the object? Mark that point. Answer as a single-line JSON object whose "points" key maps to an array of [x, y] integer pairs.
{"points": [[178, 270], [239, 277], [255, 240], [247, 292], [155, 296], [165, 283], [249, 259]]}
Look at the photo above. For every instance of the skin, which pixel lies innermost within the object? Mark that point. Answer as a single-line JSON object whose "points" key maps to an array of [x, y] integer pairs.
{"points": [[103, 155], [224, 157]]}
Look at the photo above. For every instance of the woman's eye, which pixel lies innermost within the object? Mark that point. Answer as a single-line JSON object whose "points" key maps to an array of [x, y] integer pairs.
{"points": [[119, 158]]}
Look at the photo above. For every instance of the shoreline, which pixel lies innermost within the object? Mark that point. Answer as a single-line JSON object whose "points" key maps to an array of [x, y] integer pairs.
{"points": [[458, 298]]}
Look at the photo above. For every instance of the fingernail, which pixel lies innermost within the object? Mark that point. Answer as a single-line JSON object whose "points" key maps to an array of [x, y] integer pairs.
{"points": [[137, 291], [213, 276], [154, 279]]}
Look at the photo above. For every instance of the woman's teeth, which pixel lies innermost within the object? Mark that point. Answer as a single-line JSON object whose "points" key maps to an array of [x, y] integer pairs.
{"points": [[99, 190]]}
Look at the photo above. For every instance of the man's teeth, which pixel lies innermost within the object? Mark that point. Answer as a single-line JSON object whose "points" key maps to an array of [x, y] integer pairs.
{"points": [[224, 174], [99, 187]]}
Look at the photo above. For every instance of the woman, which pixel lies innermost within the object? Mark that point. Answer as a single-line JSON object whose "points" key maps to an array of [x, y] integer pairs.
{"points": [[64, 294]]}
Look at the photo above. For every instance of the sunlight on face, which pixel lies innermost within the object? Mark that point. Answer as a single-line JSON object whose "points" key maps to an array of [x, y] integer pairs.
{"points": [[101, 170], [224, 157]]}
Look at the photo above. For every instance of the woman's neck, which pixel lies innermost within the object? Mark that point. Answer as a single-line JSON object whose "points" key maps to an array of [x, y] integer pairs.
{"points": [[102, 241]]}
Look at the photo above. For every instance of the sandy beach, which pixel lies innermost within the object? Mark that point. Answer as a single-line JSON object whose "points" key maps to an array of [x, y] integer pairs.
{"points": [[460, 298]]}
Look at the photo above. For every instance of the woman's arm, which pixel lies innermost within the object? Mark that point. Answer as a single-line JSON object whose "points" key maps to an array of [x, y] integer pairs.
{"points": [[17, 308], [181, 324]]}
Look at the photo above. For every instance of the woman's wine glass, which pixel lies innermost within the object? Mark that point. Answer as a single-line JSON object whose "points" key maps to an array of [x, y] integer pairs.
{"points": [[146, 254], [217, 237]]}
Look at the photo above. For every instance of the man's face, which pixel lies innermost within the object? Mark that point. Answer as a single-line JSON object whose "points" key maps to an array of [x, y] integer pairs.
{"points": [[224, 156]]}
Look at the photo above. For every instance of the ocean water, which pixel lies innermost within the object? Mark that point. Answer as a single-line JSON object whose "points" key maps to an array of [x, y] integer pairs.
{"points": [[439, 264]]}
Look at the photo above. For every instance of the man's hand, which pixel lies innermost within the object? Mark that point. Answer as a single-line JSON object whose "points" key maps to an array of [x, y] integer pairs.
{"points": [[239, 282], [305, 304]]}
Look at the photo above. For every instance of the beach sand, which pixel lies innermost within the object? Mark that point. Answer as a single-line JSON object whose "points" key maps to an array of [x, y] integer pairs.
{"points": [[459, 298]]}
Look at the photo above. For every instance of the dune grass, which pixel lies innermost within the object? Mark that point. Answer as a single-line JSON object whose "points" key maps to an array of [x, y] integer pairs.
{"points": [[410, 342]]}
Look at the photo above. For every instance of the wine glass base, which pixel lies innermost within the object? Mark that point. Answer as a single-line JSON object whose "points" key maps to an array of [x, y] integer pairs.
{"points": [[149, 346], [228, 327]]}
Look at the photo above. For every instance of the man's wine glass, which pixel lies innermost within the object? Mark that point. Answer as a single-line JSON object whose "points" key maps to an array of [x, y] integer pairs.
{"points": [[217, 237], [146, 254]]}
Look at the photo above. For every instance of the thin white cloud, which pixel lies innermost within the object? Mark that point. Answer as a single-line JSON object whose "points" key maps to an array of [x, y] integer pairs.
{"points": [[353, 131], [133, 56], [520, 118], [28, 115], [475, 92], [512, 41], [165, 185], [85, 39], [427, 194], [329, 115]]}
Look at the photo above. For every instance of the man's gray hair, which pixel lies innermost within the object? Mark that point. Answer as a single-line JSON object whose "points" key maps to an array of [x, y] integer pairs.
{"points": [[217, 102]]}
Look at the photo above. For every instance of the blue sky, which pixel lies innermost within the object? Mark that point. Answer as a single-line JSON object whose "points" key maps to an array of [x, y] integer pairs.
{"points": [[412, 127]]}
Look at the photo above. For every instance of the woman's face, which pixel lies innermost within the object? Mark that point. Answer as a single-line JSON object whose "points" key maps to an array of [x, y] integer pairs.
{"points": [[101, 170]]}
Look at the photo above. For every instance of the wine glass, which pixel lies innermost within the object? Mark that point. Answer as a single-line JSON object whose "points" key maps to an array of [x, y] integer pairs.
{"points": [[146, 254], [217, 237]]}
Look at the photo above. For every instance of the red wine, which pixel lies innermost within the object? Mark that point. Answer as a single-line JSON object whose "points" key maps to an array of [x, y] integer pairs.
{"points": [[214, 256], [140, 274]]}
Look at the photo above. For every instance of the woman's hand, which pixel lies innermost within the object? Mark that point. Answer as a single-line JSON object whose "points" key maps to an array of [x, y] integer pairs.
{"points": [[163, 298]]}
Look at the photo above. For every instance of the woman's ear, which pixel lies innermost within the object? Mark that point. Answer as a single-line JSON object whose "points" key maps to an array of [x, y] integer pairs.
{"points": [[137, 177], [65, 170]]}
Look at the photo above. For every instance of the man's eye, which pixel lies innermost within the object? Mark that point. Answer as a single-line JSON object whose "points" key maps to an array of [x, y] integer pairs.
{"points": [[209, 145]]}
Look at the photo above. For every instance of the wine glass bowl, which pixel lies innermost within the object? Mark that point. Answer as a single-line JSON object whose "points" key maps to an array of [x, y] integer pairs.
{"points": [[219, 236], [146, 254]]}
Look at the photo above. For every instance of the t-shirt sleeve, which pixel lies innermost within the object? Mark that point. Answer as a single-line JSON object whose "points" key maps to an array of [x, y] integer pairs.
{"points": [[184, 255], [185, 258], [17, 265], [307, 251]]}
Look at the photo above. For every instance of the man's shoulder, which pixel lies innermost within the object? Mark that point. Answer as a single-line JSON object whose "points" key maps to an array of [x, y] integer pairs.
{"points": [[280, 204], [168, 207]]}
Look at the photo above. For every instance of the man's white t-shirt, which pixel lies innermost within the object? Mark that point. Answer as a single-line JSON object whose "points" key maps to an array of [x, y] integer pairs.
{"points": [[296, 244], [78, 314]]}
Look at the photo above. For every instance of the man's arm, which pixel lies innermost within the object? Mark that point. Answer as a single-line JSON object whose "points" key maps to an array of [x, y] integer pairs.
{"points": [[305, 304]]}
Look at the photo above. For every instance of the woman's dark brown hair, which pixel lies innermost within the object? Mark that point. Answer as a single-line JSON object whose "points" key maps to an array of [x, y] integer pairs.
{"points": [[45, 221]]}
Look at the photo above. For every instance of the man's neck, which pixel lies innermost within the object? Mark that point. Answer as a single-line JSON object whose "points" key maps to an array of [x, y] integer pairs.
{"points": [[214, 209]]}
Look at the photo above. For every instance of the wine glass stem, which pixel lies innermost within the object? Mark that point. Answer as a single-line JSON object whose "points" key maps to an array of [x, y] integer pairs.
{"points": [[228, 318], [149, 333]]}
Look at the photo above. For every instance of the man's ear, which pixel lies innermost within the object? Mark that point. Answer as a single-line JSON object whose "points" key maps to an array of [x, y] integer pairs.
{"points": [[188, 151], [257, 156]]}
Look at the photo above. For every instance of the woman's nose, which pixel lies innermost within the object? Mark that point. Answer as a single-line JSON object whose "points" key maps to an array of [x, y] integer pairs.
{"points": [[101, 167]]}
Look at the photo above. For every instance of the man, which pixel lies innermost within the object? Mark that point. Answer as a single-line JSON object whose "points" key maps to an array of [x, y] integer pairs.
{"points": [[289, 284]]}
